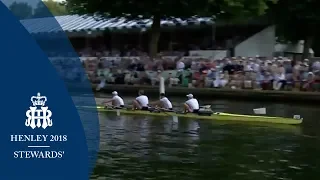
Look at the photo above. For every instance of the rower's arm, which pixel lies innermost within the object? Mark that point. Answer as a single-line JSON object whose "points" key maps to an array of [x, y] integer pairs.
{"points": [[155, 102], [186, 107], [104, 102]]}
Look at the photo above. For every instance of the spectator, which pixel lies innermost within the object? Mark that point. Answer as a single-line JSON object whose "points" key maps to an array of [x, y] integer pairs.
{"points": [[296, 76], [266, 80], [238, 72], [239, 66], [155, 80], [180, 65], [316, 66], [221, 80], [279, 78], [308, 84], [230, 68]]}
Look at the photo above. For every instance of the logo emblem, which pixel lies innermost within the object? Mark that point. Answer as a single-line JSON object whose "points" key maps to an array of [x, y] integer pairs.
{"points": [[38, 112]]}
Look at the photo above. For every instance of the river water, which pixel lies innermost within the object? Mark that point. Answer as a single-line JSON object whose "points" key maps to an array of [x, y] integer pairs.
{"points": [[140, 147]]}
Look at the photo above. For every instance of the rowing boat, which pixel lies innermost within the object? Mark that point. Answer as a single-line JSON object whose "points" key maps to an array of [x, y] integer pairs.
{"points": [[219, 116]]}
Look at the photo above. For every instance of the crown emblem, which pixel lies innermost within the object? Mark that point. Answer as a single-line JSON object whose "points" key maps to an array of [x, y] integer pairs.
{"points": [[38, 100]]}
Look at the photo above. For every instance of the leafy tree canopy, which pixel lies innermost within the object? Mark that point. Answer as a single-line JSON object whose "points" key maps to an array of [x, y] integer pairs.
{"points": [[48, 8], [296, 20], [21, 10], [56, 8], [166, 9]]}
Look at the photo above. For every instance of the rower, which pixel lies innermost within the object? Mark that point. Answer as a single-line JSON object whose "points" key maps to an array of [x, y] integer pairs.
{"points": [[191, 105], [117, 101], [164, 102], [141, 102]]}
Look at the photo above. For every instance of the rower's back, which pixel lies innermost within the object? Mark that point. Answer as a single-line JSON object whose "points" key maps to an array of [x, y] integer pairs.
{"points": [[166, 102], [118, 101], [142, 99], [193, 104]]}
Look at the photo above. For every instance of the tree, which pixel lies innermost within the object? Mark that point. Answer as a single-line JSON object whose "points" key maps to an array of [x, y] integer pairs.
{"points": [[166, 9], [48, 8], [296, 20], [56, 8], [21, 10]]}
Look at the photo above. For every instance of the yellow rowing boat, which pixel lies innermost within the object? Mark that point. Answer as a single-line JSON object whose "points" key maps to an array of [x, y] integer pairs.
{"points": [[219, 116]]}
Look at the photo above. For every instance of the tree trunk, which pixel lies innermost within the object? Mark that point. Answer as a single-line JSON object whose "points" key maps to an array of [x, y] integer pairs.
{"points": [[308, 41], [155, 35]]}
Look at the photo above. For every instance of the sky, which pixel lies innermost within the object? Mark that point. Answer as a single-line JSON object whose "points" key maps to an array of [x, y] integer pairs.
{"points": [[32, 3]]}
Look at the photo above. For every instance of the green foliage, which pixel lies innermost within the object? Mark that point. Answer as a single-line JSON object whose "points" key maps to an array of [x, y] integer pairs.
{"points": [[41, 11], [48, 8], [168, 8], [296, 19], [56, 8], [21, 10]]}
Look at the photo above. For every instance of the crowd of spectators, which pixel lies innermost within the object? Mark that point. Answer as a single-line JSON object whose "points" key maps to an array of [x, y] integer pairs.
{"points": [[278, 73]]}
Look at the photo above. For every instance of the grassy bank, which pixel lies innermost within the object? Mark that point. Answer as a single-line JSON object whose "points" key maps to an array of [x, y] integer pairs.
{"points": [[255, 95]]}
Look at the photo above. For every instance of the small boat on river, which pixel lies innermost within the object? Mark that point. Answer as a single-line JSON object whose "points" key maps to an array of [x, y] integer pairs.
{"points": [[214, 116]]}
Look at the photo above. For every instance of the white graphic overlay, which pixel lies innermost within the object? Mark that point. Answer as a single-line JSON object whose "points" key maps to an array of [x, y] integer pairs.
{"points": [[38, 116], [36, 113]]}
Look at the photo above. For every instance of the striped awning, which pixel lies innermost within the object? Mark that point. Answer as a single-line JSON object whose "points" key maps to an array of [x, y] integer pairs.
{"points": [[76, 23]]}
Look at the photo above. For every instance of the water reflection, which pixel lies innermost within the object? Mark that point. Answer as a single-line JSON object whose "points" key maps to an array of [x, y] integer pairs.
{"points": [[136, 147]]}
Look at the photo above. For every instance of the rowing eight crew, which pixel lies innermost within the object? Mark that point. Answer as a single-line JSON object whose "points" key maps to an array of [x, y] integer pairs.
{"points": [[142, 102]]}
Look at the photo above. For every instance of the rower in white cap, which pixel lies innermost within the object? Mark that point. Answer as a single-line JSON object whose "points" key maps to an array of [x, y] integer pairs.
{"points": [[191, 105], [117, 101]]}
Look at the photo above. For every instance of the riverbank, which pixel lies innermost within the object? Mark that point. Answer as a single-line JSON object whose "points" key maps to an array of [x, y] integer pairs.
{"points": [[255, 95]]}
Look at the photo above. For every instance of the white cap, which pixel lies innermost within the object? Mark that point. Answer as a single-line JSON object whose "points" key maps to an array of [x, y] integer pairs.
{"points": [[114, 93], [190, 96]]}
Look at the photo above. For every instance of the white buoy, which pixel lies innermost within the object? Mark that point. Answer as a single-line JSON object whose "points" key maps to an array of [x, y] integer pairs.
{"points": [[260, 110], [296, 117], [161, 85]]}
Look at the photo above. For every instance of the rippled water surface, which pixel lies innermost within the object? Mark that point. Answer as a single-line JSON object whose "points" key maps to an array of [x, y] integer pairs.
{"points": [[139, 147]]}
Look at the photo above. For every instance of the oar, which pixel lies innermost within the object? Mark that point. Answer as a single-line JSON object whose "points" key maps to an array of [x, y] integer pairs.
{"points": [[206, 107], [174, 118], [162, 110], [114, 107], [102, 106]]}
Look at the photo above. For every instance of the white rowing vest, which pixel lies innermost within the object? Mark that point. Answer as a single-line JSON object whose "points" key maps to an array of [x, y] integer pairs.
{"points": [[166, 103], [143, 100], [193, 104], [117, 101]]}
